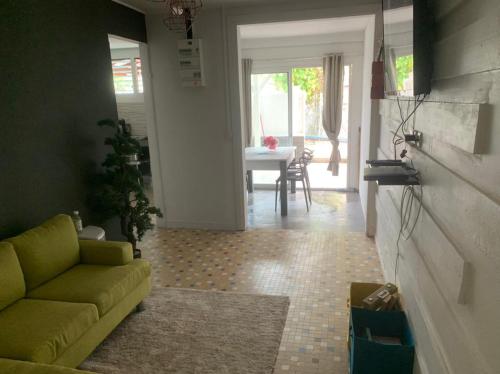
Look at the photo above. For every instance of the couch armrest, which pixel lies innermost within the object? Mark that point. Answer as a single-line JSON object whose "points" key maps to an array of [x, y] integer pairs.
{"points": [[99, 252]]}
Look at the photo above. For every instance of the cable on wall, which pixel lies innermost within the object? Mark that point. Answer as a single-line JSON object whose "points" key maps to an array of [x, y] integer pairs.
{"points": [[408, 205]]}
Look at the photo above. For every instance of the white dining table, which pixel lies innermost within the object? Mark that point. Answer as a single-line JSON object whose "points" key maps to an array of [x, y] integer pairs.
{"points": [[261, 158]]}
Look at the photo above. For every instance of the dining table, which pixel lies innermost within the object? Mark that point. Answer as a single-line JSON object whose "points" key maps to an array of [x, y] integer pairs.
{"points": [[262, 158]]}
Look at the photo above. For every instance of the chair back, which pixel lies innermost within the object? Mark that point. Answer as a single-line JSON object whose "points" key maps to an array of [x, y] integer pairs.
{"points": [[307, 156]]}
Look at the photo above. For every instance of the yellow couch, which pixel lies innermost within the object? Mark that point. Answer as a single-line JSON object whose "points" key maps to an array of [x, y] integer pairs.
{"points": [[60, 297]]}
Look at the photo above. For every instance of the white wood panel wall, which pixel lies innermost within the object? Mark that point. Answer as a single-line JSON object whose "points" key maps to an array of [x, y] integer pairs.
{"points": [[449, 271], [135, 114]]}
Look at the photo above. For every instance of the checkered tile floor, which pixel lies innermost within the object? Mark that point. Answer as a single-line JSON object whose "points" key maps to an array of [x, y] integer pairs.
{"points": [[313, 268]]}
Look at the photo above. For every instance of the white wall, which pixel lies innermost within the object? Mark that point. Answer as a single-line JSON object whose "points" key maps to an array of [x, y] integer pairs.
{"points": [[369, 123], [349, 43], [195, 151], [460, 219], [135, 114]]}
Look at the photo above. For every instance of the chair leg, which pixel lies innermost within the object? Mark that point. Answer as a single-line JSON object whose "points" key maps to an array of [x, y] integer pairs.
{"points": [[276, 196], [305, 193], [308, 186]]}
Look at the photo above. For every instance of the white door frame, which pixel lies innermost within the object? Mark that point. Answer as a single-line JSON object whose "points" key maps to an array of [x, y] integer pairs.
{"points": [[232, 50], [153, 141]]}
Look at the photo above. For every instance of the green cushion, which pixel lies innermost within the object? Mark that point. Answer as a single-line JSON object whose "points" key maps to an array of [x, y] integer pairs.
{"points": [[101, 285], [47, 250], [24, 367], [100, 252], [12, 286], [41, 330]]}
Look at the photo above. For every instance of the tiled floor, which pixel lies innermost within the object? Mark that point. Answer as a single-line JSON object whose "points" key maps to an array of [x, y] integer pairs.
{"points": [[318, 174], [313, 267], [333, 211]]}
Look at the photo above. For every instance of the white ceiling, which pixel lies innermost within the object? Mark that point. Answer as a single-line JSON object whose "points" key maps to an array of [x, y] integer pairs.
{"points": [[155, 7], [118, 43], [326, 26]]}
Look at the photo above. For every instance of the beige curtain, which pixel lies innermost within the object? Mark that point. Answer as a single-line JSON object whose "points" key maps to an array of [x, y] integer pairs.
{"points": [[333, 73], [246, 68]]}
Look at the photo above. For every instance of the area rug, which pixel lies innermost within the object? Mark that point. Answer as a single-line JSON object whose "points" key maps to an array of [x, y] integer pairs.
{"points": [[191, 331]]}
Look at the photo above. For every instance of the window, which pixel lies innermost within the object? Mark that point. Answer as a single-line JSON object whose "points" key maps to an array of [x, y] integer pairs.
{"points": [[270, 107], [138, 72], [404, 74], [127, 77]]}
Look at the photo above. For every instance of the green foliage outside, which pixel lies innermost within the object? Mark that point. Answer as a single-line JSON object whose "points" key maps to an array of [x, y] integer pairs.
{"points": [[404, 67], [309, 80], [119, 189]]}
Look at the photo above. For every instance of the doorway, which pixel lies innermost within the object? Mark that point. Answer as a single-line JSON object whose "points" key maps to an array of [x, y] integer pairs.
{"points": [[134, 101], [285, 60]]}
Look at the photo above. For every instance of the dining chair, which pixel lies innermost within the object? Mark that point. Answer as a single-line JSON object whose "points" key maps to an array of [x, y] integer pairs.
{"points": [[308, 156], [296, 172]]}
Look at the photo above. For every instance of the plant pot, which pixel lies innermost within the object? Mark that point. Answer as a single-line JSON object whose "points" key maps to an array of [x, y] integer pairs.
{"points": [[137, 253], [133, 159]]}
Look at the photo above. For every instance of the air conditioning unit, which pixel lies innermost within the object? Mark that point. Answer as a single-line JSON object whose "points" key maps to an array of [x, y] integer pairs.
{"points": [[190, 52]]}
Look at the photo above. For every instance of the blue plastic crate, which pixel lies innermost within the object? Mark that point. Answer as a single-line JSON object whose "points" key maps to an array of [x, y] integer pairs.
{"points": [[372, 357]]}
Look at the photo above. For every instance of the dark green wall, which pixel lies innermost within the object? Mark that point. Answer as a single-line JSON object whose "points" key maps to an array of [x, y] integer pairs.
{"points": [[55, 84]]}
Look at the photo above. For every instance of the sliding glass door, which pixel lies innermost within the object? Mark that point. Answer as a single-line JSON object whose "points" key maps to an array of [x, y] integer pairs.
{"points": [[270, 108], [289, 105]]}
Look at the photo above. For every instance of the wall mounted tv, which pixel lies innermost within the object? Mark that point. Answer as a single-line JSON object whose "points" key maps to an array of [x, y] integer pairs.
{"points": [[407, 47]]}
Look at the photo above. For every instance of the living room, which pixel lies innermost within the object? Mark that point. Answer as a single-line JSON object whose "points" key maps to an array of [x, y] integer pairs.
{"points": [[218, 289]]}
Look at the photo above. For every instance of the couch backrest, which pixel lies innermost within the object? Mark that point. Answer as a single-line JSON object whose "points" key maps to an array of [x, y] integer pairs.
{"points": [[12, 287], [47, 250]]}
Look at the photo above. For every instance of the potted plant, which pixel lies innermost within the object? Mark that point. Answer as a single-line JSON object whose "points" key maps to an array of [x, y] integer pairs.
{"points": [[119, 189]]}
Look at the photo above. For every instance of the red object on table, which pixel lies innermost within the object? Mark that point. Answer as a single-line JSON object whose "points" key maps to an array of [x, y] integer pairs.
{"points": [[271, 142]]}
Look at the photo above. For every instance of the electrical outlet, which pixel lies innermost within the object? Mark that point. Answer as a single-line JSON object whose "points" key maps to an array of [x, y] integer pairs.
{"points": [[415, 139]]}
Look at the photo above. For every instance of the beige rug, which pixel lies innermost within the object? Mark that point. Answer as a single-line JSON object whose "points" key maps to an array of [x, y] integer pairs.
{"points": [[191, 331]]}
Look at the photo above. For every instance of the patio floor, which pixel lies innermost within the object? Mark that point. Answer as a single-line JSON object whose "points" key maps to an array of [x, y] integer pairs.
{"points": [[320, 177]]}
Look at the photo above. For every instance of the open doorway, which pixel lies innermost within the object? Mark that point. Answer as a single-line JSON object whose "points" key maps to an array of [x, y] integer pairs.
{"points": [[127, 62], [287, 98]]}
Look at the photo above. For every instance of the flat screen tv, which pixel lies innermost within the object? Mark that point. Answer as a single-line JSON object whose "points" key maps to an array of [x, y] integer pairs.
{"points": [[408, 31]]}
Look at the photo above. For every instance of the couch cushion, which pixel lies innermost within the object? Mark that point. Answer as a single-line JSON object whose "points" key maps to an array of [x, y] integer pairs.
{"points": [[41, 330], [12, 286], [47, 250], [101, 285]]}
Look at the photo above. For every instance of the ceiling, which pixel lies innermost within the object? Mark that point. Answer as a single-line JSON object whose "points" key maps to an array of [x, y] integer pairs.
{"points": [[326, 26], [155, 7], [118, 43]]}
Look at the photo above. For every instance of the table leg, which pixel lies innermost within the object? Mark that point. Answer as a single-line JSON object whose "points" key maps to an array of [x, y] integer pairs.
{"points": [[283, 189], [249, 181]]}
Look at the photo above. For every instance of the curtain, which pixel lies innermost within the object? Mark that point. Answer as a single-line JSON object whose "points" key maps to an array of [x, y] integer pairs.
{"points": [[246, 68], [333, 73]]}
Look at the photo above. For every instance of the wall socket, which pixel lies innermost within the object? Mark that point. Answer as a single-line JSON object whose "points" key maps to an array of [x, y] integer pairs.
{"points": [[415, 139]]}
